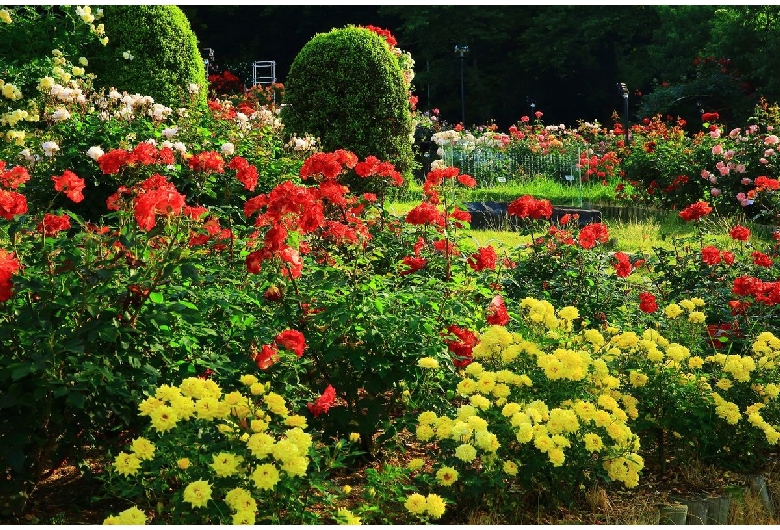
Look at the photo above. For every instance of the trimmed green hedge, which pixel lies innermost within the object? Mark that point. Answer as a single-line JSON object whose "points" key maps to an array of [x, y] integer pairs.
{"points": [[166, 57], [347, 88]]}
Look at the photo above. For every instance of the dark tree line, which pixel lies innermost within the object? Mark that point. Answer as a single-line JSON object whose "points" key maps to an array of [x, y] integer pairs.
{"points": [[567, 60]]}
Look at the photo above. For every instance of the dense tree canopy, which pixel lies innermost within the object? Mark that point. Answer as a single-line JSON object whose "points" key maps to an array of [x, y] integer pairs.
{"points": [[565, 59]]}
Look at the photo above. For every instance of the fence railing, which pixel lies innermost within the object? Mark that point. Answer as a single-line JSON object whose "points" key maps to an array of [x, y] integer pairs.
{"points": [[493, 166]]}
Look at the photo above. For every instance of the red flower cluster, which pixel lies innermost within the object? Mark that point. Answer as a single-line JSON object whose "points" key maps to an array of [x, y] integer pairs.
{"points": [[207, 161], [647, 303], [329, 165], [526, 206], [592, 234], [695, 211], [246, 173], [373, 167], [739, 233], [720, 334], [8, 266], [12, 204], [767, 293], [214, 231], [413, 264], [323, 403], [225, 84], [267, 356], [761, 259], [484, 258], [156, 196], [436, 177], [426, 213], [623, 265], [52, 224], [144, 154], [384, 33], [462, 347], [710, 116], [327, 211], [496, 312], [712, 256], [71, 184], [764, 183], [14, 177]]}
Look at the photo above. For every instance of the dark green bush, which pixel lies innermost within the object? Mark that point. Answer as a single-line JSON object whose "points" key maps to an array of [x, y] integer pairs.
{"points": [[166, 58], [347, 88]]}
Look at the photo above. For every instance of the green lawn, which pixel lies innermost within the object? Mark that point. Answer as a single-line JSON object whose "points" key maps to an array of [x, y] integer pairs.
{"points": [[632, 236]]}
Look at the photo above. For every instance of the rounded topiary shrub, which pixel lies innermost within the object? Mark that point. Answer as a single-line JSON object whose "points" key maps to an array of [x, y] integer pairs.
{"points": [[347, 88], [151, 51]]}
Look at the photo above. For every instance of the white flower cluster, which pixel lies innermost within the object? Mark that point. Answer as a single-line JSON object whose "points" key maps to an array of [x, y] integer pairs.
{"points": [[307, 143]]}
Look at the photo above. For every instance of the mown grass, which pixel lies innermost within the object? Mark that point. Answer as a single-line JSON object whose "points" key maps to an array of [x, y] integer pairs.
{"points": [[636, 235]]}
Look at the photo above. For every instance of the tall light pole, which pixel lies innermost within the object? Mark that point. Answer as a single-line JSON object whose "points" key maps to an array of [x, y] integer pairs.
{"points": [[462, 50], [623, 90]]}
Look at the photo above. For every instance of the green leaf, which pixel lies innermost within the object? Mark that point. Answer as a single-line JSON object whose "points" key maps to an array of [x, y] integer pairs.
{"points": [[156, 297], [76, 399], [20, 371]]}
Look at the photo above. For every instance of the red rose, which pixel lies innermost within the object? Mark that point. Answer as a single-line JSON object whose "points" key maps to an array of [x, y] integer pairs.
{"points": [[323, 403], [484, 258], [266, 357], [761, 259], [462, 347], [292, 340], [695, 211], [739, 233], [496, 312], [647, 303], [710, 255], [71, 184], [51, 224]]}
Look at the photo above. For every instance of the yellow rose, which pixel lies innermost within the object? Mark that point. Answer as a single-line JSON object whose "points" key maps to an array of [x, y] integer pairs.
{"points": [[197, 493]]}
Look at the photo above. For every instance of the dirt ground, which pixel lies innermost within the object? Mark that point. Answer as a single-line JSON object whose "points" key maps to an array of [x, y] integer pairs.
{"points": [[66, 497]]}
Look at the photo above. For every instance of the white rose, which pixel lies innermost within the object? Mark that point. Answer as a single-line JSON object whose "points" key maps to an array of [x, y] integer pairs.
{"points": [[95, 152], [49, 148], [228, 149]]}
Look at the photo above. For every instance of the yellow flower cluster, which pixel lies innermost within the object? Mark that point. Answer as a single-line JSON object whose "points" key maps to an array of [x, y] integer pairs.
{"points": [[131, 516], [5, 16], [496, 343], [489, 383], [726, 410], [565, 364], [767, 346], [428, 363], [240, 419], [470, 430], [195, 397], [10, 91], [542, 312], [737, 366], [755, 419], [625, 469], [346, 517], [433, 505]]}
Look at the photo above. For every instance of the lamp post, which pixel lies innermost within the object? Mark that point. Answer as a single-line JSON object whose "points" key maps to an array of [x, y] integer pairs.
{"points": [[461, 51], [623, 90], [531, 103]]}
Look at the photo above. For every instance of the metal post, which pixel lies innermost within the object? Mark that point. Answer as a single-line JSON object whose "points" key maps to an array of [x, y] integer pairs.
{"points": [[462, 51], [623, 90]]}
